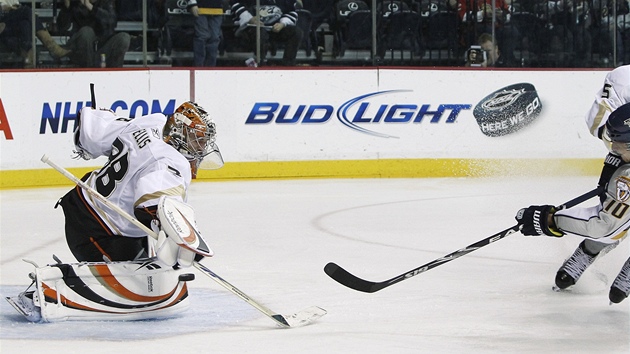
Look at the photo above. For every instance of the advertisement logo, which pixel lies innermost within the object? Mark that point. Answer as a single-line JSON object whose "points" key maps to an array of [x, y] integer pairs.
{"points": [[359, 114], [58, 115], [178, 8], [507, 110], [4, 123]]}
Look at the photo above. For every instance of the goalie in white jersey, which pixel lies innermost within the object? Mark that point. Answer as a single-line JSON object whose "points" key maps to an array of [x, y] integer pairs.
{"points": [[149, 157], [603, 226], [123, 273]]}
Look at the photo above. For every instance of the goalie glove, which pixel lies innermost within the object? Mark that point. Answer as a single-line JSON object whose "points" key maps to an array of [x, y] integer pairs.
{"points": [[534, 221], [169, 252], [179, 240]]}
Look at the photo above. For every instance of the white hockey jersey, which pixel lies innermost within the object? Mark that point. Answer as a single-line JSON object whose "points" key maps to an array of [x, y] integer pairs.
{"points": [[608, 222], [614, 93], [141, 166]]}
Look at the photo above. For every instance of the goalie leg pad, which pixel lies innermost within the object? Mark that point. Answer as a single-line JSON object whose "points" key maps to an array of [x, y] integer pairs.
{"points": [[109, 291]]}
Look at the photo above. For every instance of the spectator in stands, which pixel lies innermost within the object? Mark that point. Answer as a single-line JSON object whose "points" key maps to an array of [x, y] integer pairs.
{"points": [[16, 32], [277, 19], [208, 18], [603, 24], [580, 25], [493, 54], [92, 25], [480, 18], [567, 30]]}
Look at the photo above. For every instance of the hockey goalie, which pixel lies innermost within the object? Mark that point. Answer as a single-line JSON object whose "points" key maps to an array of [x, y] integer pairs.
{"points": [[121, 272]]}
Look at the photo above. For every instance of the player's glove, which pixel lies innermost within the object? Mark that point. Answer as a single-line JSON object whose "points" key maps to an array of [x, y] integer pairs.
{"points": [[611, 163], [534, 221], [179, 241], [170, 253]]}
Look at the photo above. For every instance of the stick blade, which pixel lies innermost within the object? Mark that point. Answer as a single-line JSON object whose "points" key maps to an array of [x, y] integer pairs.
{"points": [[302, 318], [344, 278]]}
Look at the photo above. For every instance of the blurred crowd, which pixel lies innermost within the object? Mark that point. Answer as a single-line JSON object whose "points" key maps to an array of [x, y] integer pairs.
{"points": [[507, 33]]}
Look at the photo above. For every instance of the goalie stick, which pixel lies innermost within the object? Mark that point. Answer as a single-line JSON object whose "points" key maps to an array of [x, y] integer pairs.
{"points": [[349, 280], [298, 319], [92, 96]]}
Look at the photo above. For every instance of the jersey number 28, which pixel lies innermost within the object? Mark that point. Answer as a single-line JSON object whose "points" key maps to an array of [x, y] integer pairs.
{"points": [[115, 169]]}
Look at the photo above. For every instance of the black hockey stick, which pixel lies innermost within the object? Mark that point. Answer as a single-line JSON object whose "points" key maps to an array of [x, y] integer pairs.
{"points": [[345, 278], [92, 96]]}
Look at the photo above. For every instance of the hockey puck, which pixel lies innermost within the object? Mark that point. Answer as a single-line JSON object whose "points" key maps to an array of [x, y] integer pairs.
{"points": [[507, 110], [186, 277]]}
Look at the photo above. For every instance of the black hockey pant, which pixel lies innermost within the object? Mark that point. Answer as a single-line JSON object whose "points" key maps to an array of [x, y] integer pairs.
{"points": [[90, 239]]}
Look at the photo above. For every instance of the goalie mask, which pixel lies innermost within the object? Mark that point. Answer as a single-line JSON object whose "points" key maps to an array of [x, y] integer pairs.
{"points": [[191, 132]]}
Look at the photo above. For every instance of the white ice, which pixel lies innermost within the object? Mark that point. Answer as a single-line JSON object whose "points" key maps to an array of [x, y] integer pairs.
{"points": [[272, 239]]}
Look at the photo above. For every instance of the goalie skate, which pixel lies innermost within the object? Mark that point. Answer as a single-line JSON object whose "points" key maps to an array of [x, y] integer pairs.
{"points": [[25, 305]]}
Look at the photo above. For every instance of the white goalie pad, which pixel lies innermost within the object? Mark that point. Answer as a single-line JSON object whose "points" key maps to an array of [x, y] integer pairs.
{"points": [[110, 291], [177, 220]]}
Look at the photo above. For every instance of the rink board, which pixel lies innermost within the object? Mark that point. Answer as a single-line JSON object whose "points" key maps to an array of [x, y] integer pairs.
{"points": [[314, 123]]}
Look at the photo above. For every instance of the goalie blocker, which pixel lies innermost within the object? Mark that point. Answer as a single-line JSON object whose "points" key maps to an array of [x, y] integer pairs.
{"points": [[179, 240], [133, 290]]}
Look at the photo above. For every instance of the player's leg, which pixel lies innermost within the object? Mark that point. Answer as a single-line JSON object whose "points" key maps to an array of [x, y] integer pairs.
{"points": [[88, 237], [573, 268], [620, 288]]}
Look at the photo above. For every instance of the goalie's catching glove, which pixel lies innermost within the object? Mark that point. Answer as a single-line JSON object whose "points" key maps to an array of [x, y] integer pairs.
{"points": [[535, 221]]}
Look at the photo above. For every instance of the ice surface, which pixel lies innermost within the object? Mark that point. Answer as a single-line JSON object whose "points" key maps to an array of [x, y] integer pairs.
{"points": [[272, 239]]}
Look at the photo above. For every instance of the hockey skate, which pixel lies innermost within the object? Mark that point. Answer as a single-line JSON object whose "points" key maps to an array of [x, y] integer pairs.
{"points": [[24, 303], [573, 268], [27, 303], [620, 288]]}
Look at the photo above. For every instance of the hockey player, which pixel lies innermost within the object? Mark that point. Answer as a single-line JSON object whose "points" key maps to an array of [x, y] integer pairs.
{"points": [[614, 93], [149, 156], [603, 226], [123, 273]]}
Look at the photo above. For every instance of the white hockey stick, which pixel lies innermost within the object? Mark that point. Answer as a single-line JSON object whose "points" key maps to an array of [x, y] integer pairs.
{"points": [[298, 319]]}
